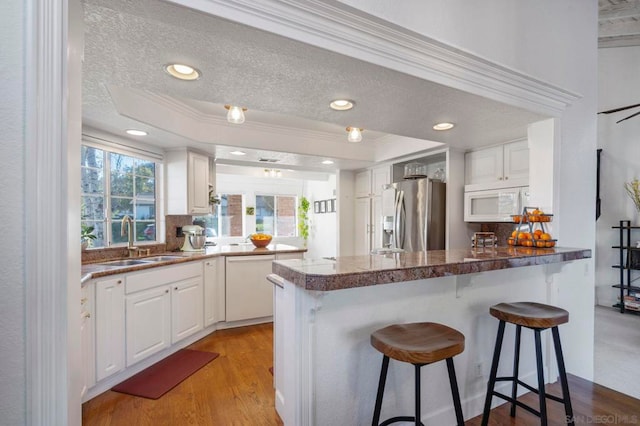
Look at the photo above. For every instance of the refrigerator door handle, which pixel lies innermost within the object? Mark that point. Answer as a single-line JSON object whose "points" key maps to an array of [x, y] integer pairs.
{"points": [[398, 228]]}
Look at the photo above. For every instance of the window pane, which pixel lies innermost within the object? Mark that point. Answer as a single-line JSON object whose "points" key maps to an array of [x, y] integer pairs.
{"points": [[121, 207], [116, 237], [286, 216], [92, 157], [145, 168], [145, 231], [145, 187], [122, 184], [209, 223], [92, 180], [92, 208], [231, 215], [121, 163], [265, 214], [98, 231], [145, 209]]}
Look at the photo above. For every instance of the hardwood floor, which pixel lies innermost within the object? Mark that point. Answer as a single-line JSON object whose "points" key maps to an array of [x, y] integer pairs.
{"points": [[237, 389], [234, 389]]}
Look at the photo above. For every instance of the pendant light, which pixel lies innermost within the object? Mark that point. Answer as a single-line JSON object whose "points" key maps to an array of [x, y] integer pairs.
{"points": [[355, 134], [235, 114]]}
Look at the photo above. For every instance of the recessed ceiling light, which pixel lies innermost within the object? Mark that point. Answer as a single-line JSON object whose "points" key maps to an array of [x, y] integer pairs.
{"points": [[327, 162], [238, 153], [341, 104], [135, 132], [443, 126], [183, 72]]}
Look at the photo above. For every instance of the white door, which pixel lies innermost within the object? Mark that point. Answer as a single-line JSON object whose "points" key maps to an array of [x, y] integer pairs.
{"points": [[249, 295], [376, 222], [109, 327], [148, 323], [362, 229], [516, 162], [186, 308], [381, 177], [483, 166]]}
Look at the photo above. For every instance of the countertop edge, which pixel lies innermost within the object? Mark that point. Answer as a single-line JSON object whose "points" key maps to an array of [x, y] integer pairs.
{"points": [[340, 281]]}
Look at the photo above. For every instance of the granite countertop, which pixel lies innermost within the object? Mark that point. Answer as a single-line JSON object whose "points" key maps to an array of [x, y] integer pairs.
{"points": [[98, 269], [359, 271]]}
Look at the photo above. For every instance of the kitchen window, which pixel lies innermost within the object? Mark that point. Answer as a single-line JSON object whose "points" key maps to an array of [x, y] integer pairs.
{"points": [[115, 184], [227, 219], [276, 215]]}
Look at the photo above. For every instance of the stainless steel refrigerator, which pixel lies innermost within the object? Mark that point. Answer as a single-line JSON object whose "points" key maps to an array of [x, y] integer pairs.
{"points": [[414, 215]]}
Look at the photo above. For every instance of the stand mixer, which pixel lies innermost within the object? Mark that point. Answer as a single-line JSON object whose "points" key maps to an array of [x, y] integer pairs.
{"points": [[193, 238]]}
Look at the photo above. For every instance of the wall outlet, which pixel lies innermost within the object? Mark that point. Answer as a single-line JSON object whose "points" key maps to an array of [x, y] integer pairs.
{"points": [[481, 369], [179, 232]]}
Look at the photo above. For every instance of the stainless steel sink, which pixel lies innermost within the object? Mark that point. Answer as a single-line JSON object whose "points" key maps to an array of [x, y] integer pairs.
{"points": [[125, 262], [161, 258]]}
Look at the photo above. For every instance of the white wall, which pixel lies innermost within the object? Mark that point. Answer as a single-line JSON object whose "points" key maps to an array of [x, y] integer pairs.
{"points": [[619, 85], [12, 212]]}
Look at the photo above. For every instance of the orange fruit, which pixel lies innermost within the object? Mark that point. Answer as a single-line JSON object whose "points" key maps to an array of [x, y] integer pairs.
{"points": [[514, 234], [522, 236], [540, 243], [527, 243], [550, 244], [537, 233], [511, 241], [545, 236]]}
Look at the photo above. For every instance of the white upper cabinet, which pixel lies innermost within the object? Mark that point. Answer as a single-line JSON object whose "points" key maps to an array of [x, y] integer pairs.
{"points": [[188, 182], [497, 167], [369, 182]]}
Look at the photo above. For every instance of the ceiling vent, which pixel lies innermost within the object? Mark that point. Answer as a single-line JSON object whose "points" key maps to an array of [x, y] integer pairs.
{"points": [[268, 160]]}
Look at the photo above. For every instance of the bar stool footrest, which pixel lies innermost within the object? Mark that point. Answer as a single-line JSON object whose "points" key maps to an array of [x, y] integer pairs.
{"points": [[530, 388], [399, 419], [518, 403]]}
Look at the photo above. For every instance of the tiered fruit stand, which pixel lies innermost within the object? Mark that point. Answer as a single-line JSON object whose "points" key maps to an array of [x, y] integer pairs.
{"points": [[535, 220]]}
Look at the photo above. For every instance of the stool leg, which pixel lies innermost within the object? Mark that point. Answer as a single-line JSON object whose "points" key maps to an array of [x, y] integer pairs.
{"points": [[563, 376], [454, 391], [381, 383], [516, 364], [494, 373], [541, 392], [417, 394]]}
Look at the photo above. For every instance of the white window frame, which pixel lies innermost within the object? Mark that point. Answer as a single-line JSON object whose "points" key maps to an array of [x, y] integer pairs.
{"points": [[275, 222], [119, 148]]}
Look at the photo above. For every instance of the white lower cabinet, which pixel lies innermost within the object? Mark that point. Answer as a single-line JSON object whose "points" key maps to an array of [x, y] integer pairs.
{"points": [[109, 324], [148, 323], [163, 306], [248, 293], [214, 291], [87, 334], [186, 308]]}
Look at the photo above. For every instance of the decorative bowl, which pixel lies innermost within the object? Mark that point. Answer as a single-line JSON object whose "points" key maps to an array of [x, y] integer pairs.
{"points": [[260, 240]]}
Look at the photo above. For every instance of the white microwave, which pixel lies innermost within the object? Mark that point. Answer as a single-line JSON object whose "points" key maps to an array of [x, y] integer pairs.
{"points": [[495, 205]]}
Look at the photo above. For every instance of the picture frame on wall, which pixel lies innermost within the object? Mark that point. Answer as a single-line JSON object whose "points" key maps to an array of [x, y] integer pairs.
{"points": [[316, 206], [323, 206]]}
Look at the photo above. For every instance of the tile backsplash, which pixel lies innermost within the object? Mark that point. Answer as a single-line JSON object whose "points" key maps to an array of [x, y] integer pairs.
{"points": [[173, 222]]}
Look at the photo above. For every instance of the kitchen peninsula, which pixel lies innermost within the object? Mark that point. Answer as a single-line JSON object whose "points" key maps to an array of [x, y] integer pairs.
{"points": [[326, 371]]}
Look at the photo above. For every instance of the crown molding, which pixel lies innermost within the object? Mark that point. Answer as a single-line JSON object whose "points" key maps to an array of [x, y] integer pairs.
{"points": [[337, 27]]}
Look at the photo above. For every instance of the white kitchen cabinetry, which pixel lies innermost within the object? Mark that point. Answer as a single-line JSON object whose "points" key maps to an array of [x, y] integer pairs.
{"points": [[497, 167], [188, 182], [109, 323], [163, 306], [248, 293], [214, 298], [87, 334], [368, 208]]}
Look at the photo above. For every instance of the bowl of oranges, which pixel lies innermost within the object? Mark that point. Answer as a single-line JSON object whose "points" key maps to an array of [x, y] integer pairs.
{"points": [[538, 238], [260, 240]]}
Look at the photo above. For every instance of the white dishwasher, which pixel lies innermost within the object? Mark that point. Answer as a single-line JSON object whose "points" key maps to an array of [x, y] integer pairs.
{"points": [[248, 293]]}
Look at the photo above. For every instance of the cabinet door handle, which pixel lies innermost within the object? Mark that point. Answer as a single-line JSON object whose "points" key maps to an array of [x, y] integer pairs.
{"points": [[506, 177], [166, 291], [119, 282], [175, 288], [499, 177]]}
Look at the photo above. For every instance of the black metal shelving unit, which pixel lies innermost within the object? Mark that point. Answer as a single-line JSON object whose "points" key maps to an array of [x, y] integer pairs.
{"points": [[625, 265]]}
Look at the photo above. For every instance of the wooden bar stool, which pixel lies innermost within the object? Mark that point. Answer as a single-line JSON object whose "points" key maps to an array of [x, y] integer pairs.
{"points": [[419, 344], [537, 317]]}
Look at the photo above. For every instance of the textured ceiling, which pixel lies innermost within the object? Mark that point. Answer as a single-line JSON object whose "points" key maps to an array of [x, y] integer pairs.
{"points": [[618, 23], [279, 80]]}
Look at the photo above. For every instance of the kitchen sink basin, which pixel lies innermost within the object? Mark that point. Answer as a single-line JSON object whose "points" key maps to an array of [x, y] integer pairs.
{"points": [[126, 262], [161, 258]]}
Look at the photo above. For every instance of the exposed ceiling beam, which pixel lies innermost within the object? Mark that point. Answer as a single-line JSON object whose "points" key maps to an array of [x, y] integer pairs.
{"points": [[619, 28], [630, 9]]}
